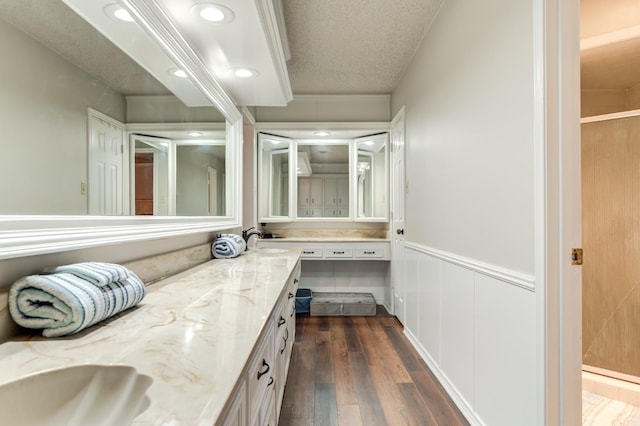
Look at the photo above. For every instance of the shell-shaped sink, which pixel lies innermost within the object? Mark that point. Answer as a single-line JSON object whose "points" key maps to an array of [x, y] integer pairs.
{"points": [[76, 395]]}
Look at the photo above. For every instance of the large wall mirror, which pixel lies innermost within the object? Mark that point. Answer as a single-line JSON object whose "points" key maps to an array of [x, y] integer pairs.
{"points": [[87, 131], [340, 174]]}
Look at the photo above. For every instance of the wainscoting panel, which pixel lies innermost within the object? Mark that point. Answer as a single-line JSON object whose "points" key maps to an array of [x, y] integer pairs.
{"points": [[457, 328], [430, 301], [412, 283], [505, 353], [474, 325]]}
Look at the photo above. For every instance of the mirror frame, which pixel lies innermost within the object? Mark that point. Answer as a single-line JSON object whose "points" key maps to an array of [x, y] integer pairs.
{"points": [[28, 235], [284, 129]]}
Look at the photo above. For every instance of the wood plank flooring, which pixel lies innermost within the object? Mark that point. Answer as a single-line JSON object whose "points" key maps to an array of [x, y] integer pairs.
{"points": [[352, 371]]}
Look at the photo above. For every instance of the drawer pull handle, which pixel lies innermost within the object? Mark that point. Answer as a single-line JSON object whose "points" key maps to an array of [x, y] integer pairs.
{"points": [[266, 370], [270, 381], [290, 295], [307, 252], [369, 252], [284, 339], [281, 321], [338, 252]]}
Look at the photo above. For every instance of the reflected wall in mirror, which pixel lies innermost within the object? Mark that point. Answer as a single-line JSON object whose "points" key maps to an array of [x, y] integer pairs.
{"points": [[274, 170], [55, 66], [372, 170], [323, 179]]}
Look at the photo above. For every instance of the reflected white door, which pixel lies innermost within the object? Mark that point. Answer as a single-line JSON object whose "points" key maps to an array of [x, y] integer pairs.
{"points": [[106, 165], [397, 216], [213, 193]]}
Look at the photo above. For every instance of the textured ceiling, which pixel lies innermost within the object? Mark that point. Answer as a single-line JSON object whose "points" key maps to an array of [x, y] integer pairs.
{"points": [[56, 26], [355, 46], [337, 47]]}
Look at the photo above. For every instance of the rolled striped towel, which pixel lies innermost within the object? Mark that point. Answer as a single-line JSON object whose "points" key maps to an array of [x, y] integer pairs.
{"points": [[62, 304], [228, 246], [98, 273]]}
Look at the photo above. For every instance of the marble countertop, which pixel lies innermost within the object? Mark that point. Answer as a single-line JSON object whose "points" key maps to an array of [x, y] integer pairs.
{"points": [[325, 240], [193, 334]]}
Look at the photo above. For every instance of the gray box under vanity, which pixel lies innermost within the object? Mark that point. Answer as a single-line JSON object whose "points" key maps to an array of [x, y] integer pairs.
{"points": [[342, 304]]}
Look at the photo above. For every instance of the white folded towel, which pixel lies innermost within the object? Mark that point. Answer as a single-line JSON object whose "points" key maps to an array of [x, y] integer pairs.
{"points": [[228, 246], [61, 304], [98, 273]]}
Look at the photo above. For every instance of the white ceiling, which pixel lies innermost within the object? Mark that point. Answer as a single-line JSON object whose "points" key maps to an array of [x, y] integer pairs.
{"points": [[357, 46], [335, 46]]}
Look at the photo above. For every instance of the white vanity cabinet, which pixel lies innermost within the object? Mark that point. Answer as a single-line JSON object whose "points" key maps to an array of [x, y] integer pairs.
{"points": [[258, 400], [320, 249]]}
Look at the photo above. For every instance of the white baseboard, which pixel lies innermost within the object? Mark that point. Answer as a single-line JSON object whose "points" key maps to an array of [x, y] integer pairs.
{"points": [[458, 399]]}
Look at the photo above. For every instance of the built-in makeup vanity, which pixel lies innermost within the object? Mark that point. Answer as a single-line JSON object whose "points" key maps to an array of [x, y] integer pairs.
{"points": [[324, 188]]}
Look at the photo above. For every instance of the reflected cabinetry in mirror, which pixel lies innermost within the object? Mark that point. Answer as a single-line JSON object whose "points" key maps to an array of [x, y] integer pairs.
{"points": [[342, 179]]}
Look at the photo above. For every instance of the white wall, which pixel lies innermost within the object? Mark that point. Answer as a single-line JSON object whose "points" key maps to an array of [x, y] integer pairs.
{"points": [[471, 304], [43, 117], [328, 108], [469, 106], [192, 185]]}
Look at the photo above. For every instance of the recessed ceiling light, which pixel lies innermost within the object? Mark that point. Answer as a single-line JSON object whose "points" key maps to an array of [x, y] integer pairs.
{"points": [[194, 134], [322, 133], [213, 13], [244, 72], [116, 11], [178, 72]]}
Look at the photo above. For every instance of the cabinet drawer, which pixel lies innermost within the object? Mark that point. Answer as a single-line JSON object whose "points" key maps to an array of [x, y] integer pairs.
{"points": [[338, 252], [311, 252], [369, 252]]}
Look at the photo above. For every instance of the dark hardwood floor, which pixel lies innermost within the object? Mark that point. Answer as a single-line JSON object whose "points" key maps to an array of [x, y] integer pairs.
{"points": [[352, 371]]}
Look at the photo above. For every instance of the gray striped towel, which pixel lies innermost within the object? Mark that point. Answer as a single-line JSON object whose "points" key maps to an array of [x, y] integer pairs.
{"points": [[62, 304], [98, 273], [227, 246]]}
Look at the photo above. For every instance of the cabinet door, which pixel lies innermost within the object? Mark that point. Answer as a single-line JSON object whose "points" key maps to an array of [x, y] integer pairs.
{"points": [[342, 192], [330, 193], [237, 413], [304, 190], [315, 192], [336, 192]]}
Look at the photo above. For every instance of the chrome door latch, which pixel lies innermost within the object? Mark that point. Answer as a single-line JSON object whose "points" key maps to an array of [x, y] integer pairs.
{"points": [[576, 256]]}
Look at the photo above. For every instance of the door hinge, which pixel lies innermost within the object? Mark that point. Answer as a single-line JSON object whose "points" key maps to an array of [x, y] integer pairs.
{"points": [[576, 256]]}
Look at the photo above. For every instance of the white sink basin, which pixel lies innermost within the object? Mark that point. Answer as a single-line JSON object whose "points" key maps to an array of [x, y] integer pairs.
{"points": [[78, 395], [268, 250]]}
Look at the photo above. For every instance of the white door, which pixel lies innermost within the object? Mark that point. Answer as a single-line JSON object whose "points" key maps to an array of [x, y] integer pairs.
{"points": [[397, 216], [106, 165]]}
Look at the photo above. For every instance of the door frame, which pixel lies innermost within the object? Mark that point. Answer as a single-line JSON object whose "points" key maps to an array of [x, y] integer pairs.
{"points": [[397, 187], [556, 40]]}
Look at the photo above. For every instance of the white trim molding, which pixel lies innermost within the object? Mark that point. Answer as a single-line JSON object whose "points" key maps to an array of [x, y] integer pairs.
{"points": [[278, 44], [37, 235], [508, 276]]}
